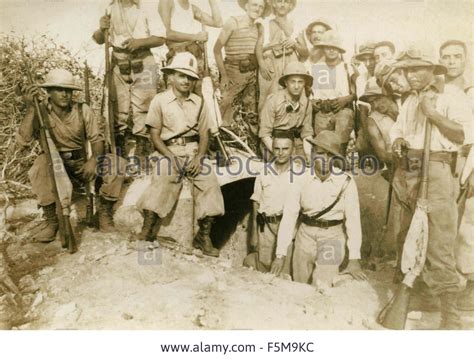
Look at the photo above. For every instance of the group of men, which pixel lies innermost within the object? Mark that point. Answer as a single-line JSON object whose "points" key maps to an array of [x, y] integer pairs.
{"points": [[311, 104]]}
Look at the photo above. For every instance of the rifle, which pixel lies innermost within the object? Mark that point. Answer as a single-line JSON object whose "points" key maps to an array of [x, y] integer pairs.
{"points": [[62, 185], [209, 97], [107, 92], [90, 186]]}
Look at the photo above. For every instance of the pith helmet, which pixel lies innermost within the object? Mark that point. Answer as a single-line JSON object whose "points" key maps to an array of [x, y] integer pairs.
{"points": [[328, 141], [365, 49], [371, 89], [420, 54], [266, 10], [331, 39], [185, 63], [295, 69], [320, 21], [60, 78]]}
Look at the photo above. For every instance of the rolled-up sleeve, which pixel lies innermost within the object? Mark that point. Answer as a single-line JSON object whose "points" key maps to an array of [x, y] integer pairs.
{"points": [[257, 190], [204, 121], [352, 220], [93, 127]]}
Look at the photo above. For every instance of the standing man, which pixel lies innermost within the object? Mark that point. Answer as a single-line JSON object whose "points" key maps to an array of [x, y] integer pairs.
{"points": [[179, 128], [333, 91], [328, 200], [271, 188], [453, 56], [310, 37], [239, 40], [288, 112], [133, 30], [184, 32], [72, 125], [384, 50], [450, 118]]}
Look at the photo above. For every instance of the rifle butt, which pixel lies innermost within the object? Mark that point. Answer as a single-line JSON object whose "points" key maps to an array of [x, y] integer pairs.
{"points": [[394, 314], [90, 210]]}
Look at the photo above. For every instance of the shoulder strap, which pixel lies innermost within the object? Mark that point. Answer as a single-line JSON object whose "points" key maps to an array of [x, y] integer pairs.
{"points": [[333, 204]]}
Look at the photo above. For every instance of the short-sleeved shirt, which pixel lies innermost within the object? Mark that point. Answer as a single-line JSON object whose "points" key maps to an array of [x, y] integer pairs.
{"points": [[279, 113], [68, 132], [178, 119]]}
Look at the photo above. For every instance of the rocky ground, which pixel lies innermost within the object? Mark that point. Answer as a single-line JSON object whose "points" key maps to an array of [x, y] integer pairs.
{"points": [[111, 283]]}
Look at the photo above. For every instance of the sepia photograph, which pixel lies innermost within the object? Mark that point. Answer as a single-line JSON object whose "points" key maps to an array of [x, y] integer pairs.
{"points": [[222, 165]]}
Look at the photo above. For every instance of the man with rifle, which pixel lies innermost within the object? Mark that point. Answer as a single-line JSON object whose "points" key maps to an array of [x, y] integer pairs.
{"points": [[70, 124], [449, 118]]}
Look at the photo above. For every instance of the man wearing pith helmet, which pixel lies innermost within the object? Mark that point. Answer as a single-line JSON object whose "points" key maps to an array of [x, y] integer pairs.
{"points": [[179, 124], [450, 119], [72, 125], [289, 110], [328, 199]]}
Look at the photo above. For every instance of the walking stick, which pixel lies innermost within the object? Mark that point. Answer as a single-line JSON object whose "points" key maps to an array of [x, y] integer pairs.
{"points": [[109, 86]]}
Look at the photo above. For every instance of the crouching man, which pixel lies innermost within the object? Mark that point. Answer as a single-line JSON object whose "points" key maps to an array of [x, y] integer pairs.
{"points": [[329, 202], [178, 121], [71, 126]]}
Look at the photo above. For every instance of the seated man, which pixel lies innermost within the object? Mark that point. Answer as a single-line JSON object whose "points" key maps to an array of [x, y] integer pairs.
{"points": [[179, 128], [288, 111], [72, 125], [270, 187], [333, 91], [329, 203]]}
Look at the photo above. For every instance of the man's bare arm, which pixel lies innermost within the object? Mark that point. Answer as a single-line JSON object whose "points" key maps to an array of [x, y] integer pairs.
{"points": [[165, 7], [214, 19]]}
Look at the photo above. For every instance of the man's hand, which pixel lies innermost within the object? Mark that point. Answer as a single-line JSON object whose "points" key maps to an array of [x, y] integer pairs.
{"points": [[277, 265], [195, 166], [428, 104], [288, 43], [104, 23], [399, 146], [354, 269], [201, 37], [316, 105], [133, 44], [339, 103], [29, 94], [88, 170], [265, 72]]}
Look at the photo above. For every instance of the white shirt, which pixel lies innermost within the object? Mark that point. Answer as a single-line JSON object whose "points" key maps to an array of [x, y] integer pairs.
{"points": [[329, 82]]}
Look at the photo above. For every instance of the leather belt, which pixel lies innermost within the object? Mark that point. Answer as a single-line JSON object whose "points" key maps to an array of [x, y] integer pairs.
{"points": [[271, 219], [292, 133], [71, 155], [321, 223], [182, 140]]}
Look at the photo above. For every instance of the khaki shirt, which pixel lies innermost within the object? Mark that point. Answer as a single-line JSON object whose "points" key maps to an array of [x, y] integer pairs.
{"points": [[310, 196], [68, 133], [275, 115], [176, 118], [271, 188], [411, 121]]}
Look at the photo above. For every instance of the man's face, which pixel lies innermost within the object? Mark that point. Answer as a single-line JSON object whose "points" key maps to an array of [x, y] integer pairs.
{"points": [[382, 53], [369, 61], [255, 8], [317, 33], [60, 97], [381, 104], [282, 7], [182, 82], [282, 149], [419, 76], [322, 159], [331, 53], [295, 85], [398, 82], [453, 58]]}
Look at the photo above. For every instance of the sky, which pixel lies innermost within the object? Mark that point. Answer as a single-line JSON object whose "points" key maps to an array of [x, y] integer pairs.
{"points": [[72, 22]]}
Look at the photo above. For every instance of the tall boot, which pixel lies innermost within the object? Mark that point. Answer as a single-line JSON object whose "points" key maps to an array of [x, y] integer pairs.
{"points": [[450, 319], [150, 222], [105, 212], [51, 226], [202, 240]]}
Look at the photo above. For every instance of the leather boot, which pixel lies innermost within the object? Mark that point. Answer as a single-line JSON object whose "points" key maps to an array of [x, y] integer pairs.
{"points": [[150, 222], [202, 240], [105, 212], [450, 319], [51, 225]]}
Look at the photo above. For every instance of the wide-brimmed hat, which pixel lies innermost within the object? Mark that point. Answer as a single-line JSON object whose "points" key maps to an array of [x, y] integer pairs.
{"points": [[385, 43], [365, 49], [295, 68], [320, 21], [331, 39], [185, 63], [372, 89], [329, 141], [60, 78], [267, 10], [420, 55]]}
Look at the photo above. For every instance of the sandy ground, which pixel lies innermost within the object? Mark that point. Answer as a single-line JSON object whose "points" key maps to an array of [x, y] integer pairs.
{"points": [[114, 284]]}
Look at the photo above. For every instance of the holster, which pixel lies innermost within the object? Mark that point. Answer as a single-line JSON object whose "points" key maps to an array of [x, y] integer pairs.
{"points": [[261, 221]]}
